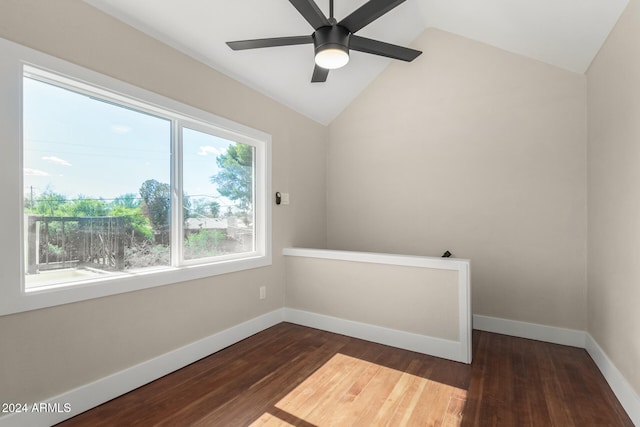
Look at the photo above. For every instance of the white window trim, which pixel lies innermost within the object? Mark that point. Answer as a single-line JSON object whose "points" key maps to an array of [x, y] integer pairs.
{"points": [[13, 297]]}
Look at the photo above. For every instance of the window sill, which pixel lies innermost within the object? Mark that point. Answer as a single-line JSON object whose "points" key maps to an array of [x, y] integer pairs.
{"points": [[53, 295]]}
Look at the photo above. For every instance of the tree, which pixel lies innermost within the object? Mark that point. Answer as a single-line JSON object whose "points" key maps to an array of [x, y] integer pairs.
{"points": [[199, 207], [137, 225], [215, 209], [235, 179], [186, 207], [128, 200], [49, 203], [83, 206], [156, 203]]}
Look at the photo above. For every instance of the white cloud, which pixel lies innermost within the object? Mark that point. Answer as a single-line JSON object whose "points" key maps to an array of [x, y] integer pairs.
{"points": [[34, 172], [120, 129], [205, 150], [56, 160]]}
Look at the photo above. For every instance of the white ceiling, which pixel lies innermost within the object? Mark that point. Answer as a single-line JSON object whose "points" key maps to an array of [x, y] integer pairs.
{"points": [[565, 33]]}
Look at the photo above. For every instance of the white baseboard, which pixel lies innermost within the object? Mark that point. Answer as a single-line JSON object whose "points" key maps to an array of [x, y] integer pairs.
{"points": [[624, 392], [446, 349], [107, 388], [552, 334], [627, 396]]}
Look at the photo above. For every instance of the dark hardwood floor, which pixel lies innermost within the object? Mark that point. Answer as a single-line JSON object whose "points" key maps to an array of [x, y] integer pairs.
{"points": [[293, 375]]}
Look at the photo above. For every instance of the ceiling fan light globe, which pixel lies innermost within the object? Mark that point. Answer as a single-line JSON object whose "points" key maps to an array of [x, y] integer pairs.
{"points": [[331, 58]]}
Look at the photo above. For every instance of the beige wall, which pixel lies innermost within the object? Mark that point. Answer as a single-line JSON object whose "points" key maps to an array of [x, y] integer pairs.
{"points": [[49, 351], [614, 196], [477, 151], [411, 299]]}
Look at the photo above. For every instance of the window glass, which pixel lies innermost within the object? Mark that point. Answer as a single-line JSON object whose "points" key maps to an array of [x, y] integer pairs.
{"points": [[218, 187], [96, 186]]}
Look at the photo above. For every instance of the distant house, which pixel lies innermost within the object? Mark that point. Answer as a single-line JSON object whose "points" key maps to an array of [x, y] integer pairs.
{"points": [[196, 224], [234, 228]]}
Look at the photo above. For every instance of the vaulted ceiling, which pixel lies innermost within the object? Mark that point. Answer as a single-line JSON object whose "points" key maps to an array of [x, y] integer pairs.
{"points": [[564, 33]]}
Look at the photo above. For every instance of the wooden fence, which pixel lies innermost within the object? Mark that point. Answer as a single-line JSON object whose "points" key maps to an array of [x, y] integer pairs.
{"points": [[56, 242]]}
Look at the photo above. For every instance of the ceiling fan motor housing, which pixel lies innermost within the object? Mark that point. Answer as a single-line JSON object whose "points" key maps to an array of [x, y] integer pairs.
{"points": [[331, 37]]}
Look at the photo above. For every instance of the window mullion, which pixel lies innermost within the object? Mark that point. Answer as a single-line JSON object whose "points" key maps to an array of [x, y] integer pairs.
{"points": [[177, 202]]}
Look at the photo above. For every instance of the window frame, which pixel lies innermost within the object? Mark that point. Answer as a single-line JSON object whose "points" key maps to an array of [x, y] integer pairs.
{"points": [[22, 61]]}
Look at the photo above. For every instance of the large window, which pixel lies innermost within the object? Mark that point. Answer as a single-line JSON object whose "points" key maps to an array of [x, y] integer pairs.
{"points": [[120, 189], [115, 187]]}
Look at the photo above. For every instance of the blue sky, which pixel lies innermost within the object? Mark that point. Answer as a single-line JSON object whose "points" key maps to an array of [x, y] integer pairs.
{"points": [[76, 145]]}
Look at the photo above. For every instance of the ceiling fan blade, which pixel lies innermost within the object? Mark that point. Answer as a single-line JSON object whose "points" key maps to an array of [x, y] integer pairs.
{"points": [[319, 74], [311, 12], [367, 13], [376, 47], [272, 42]]}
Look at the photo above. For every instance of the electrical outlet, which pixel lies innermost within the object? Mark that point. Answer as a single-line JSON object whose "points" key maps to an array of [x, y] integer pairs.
{"points": [[263, 292]]}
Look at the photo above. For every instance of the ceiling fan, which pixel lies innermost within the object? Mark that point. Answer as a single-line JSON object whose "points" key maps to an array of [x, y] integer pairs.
{"points": [[332, 40]]}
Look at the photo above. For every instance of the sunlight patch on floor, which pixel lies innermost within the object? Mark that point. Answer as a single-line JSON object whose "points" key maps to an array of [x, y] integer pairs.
{"points": [[347, 391], [269, 420]]}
